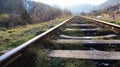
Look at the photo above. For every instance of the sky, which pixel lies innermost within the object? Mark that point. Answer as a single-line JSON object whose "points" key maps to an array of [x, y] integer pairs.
{"points": [[67, 3]]}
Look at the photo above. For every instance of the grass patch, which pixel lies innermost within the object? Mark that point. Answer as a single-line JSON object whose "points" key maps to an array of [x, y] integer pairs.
{"points": [[15, 37], [35, 57], [57, 62]]}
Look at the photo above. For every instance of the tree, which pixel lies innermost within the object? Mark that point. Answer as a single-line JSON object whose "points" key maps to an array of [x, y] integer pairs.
{"points": [[30, 12]]}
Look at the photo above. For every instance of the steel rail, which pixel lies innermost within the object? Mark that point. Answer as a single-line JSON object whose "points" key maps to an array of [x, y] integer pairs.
{"points": [[11, 55], [112, 26]]}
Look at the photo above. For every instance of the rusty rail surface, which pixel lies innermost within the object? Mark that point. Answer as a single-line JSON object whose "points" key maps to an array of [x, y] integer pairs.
{"points": [[112, 26], [10, 56]]}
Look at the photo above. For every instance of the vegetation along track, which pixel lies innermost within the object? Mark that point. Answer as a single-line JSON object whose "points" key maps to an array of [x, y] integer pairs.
{"points": [[76, 42]]}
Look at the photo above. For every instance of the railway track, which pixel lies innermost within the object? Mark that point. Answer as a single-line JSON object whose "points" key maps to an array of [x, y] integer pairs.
{"points": [[76, 38]]}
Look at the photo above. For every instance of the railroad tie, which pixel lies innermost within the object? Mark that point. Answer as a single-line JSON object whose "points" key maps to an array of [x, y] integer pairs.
{"points": [[89, 37], [73, 41], [82, 25], [85, 54], [83, 30]]}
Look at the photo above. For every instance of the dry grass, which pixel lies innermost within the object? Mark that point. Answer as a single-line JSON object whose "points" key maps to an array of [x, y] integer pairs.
{"points": [[14, 37]]}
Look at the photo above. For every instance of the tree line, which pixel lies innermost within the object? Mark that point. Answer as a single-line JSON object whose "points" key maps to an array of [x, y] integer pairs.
{"points": [[22, 12]]}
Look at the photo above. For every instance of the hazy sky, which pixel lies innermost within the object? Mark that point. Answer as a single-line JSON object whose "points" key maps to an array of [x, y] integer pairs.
{"points": [[67, 3]]}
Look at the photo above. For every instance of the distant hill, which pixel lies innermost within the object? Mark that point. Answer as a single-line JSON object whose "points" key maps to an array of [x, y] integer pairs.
{"points": [[88, 8], [109, 3], [81, 8]]}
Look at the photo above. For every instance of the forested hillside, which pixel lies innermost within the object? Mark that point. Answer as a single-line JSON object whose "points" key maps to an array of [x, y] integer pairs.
{"points": [[22, 12], [108, 11], [109, 3]]}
